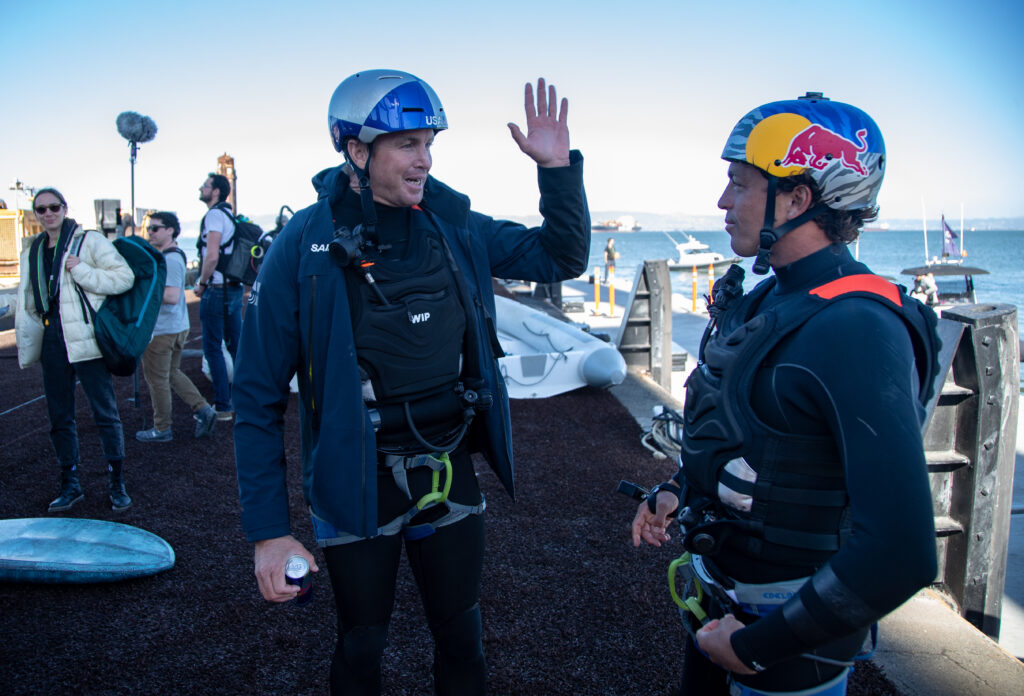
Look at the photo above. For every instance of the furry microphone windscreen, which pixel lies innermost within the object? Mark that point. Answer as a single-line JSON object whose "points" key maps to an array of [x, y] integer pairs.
{"points": [[136, 128]]}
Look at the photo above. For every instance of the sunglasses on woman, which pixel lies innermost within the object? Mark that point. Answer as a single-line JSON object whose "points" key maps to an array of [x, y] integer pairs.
{"points": [[53, 208]]}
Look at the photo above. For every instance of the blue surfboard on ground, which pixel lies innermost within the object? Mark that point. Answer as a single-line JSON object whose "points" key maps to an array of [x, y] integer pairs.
{"points": [[68, 550]]}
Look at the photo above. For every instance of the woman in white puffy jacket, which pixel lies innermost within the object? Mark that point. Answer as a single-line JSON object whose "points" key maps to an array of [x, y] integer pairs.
{"points": [[53, 327]]}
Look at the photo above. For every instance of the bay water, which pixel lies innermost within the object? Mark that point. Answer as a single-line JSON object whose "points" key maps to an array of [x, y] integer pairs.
{"points": [[886, 252]]}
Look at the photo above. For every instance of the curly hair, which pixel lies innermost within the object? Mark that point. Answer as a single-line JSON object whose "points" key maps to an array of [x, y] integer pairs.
{"points": [[841, 226]]}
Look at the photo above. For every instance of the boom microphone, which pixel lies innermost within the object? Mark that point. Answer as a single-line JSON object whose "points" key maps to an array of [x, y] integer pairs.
{"points": [[135, 128]]}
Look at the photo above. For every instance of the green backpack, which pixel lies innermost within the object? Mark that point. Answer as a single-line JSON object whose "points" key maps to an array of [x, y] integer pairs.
{"points": [[124, 323]]}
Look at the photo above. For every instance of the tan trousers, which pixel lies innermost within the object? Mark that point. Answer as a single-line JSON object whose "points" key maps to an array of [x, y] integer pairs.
{"points": [[162, 366]]}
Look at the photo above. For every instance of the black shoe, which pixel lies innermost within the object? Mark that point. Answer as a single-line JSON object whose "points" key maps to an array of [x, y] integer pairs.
{"points": [[119, 499], [67, 498], [70, 491]]}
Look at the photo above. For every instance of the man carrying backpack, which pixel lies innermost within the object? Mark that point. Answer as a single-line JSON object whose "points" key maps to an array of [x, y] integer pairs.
{"points": [[162, 359], [220, 301]]}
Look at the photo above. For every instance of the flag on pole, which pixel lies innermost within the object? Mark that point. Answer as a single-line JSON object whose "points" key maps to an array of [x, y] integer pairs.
{"points": [[948, 240]]}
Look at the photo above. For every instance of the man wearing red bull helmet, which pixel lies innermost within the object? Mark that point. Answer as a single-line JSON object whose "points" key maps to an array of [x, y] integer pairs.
{"points": [[834, 149], [379, 297], [802, 491]]}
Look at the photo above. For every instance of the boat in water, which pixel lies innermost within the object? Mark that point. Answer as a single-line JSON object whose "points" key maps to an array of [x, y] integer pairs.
{"points": [[626, 223], [944, 284], [545, 356], [694, 253], [944, 280]]}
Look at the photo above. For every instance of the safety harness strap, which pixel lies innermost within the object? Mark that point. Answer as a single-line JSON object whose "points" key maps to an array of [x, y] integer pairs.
{"points": [[456, 511], [708, 537], [709, 595], [822, 498]]}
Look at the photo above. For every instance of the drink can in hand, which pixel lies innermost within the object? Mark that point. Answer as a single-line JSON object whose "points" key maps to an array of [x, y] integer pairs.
{"points": [[296, 572]]}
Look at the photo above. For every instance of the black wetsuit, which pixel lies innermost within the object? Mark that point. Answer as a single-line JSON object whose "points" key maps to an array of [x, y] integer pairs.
{"points": [[849, 374], [447, 563]]}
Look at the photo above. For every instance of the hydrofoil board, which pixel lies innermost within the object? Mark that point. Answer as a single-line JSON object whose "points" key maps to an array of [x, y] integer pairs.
{"points": [[68, 550]]}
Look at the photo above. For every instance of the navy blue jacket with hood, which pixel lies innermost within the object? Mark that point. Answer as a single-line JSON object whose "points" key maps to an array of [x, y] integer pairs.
{"points": [[298, 321]]}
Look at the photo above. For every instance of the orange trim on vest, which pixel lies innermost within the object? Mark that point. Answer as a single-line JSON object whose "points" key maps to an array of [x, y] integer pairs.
{"points": [[865, 282], [417, 207]]}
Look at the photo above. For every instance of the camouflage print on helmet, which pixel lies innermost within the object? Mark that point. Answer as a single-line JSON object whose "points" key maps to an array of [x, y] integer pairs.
{"points": [[838, 145]]}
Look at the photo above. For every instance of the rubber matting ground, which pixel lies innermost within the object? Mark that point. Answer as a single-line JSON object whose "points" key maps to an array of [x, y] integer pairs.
{"points": [[569, 607]]}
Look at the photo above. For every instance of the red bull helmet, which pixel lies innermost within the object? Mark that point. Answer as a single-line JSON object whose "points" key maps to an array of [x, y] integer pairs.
{"points": [[382, 101], [838, 145]]}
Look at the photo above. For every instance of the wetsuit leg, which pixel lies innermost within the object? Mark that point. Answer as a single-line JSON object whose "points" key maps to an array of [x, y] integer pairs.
{"points": [[363, 579], [448, 566]]}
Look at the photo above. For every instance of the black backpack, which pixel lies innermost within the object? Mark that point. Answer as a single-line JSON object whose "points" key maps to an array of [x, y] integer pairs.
{"points": [[180, 252], [247, 248], [124, 323]]}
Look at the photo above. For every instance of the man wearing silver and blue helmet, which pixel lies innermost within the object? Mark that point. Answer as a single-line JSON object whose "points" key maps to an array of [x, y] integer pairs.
{"points": [[379, 297], [802, 491]]}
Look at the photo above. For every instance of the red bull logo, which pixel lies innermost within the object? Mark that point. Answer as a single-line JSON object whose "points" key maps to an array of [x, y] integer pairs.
{"points": [[818, 147]]}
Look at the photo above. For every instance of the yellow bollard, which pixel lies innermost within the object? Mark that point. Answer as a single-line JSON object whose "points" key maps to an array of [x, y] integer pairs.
{"points": [[694, 289], [611, 291], [711, 283], [597, 291]]}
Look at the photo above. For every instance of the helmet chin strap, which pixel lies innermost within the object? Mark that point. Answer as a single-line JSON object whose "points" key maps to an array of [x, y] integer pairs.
{"points": [[771, 234], [365, 194]]}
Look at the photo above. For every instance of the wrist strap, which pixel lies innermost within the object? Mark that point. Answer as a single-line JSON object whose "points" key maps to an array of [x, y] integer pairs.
{"points": [[652, 497]]}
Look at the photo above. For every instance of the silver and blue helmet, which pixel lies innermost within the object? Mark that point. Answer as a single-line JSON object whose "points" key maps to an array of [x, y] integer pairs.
{"points": [[373, 102]]}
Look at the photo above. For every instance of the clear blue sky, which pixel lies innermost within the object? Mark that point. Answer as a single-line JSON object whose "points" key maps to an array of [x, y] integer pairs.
{"points": [[654, 89]]}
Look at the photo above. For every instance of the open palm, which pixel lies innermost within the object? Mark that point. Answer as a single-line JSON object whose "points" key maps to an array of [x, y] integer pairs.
{"points": [[546, 140]]}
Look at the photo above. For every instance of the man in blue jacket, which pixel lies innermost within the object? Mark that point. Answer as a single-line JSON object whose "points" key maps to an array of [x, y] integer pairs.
{"points": [[379, 297]]}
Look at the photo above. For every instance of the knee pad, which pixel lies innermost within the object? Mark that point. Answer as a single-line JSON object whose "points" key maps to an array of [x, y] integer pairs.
{"points": [[364, 645], [461, 635]]}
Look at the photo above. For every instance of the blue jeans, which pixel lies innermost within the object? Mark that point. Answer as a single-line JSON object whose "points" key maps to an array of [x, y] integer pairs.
{"points": [[59, 387], [220, 313]]}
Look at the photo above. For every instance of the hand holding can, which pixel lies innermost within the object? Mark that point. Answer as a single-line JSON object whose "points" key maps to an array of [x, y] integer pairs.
{"points": [[296, 572]]}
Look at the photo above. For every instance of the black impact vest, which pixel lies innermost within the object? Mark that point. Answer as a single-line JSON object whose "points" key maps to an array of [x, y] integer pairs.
{"points": [[410, 347], [786, 493]]}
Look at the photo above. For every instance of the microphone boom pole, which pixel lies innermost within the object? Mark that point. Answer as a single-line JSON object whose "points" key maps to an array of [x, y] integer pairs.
{"points": [[134, 152], [135, 129]]}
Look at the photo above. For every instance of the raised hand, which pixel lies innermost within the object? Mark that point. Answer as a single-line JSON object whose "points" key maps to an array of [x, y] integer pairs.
{"points": [[547, 131]]}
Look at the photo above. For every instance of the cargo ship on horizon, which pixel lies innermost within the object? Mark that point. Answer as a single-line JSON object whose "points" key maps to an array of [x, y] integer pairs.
{"points": [[626, 223]]}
